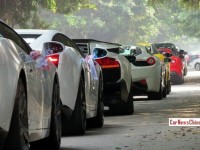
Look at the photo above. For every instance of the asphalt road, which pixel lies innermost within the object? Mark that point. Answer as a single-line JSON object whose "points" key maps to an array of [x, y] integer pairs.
{"points": [[148, 128]]}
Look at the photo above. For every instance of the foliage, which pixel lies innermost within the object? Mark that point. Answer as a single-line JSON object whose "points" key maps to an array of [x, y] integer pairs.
{"points": [[18, 12], [186, 14], [114, 20], [189, 4], [123, 21]]}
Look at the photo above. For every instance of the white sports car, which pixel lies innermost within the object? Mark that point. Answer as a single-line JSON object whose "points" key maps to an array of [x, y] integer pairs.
{"points": [[81, 83], [195, 64], [29, 97], [116, 75], [148, 73]]}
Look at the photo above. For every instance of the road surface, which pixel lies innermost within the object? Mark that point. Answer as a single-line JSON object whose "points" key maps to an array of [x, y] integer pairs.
{"points": [[148, 128]]}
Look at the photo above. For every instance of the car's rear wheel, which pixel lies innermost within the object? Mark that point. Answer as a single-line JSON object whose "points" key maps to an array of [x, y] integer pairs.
{"points": [[53, 141], [54, 138], [185, 71], [98, 120], [165, 92], [128, 108], [77, 124], [180, 80], [168, 86], [165, 89], [124, 108], [197, 66], [156, 95], [18, 138]]}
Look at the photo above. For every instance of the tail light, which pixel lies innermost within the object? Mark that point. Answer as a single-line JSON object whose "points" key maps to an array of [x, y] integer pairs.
{"points": [[54, 59], [107, 62], [151, 61]]}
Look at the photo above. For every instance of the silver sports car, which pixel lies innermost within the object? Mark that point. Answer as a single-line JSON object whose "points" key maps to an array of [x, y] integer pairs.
{"points": [[29, 96], [82, 84]]}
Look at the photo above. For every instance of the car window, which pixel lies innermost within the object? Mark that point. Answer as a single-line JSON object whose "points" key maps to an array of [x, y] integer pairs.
{"points": [[128, 50], [114, 50], [8, 33], [137, 51], [66, 41], [83, 47], [155, 51], [166, 45]]}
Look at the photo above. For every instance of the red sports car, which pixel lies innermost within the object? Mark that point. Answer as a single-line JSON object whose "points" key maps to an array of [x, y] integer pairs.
{"points": [[177, 67]]}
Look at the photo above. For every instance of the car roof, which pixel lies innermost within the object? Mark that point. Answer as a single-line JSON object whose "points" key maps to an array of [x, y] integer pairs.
{"points": [[45, 36], [93, 40]]}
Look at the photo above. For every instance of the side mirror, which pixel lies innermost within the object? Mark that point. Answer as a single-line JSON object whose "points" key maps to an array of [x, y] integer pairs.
{"points": [[99, 53], [52, 48], [167, 60]]}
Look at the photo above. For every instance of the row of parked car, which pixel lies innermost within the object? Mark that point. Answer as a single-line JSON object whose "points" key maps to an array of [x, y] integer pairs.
{"points": [[53, 85]]}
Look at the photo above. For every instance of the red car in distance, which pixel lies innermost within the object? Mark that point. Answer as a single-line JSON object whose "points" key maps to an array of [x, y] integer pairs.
{"points": [[177, 67]]}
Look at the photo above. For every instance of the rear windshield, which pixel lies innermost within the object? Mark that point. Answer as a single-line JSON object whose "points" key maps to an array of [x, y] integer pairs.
{"points": [[128, 50], [166, 45], [114, 50], [83, 47]]}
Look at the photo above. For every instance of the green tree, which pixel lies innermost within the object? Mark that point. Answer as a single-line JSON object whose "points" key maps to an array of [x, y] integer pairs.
{"points": [[19, 12], [112, 20]]}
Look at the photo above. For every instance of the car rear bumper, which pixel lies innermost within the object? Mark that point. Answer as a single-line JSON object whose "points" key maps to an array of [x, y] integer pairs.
{"points": [[152, 76], [175, 76], [115, 92]]}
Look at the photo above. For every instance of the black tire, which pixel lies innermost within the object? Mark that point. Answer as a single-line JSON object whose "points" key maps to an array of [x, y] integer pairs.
{"points": [[18, 138], [185, 71], [197, 66], [54, 138], [156, 95], [168, 87], [128, 108], [165, 92], [77, 124], [53, 141], [165, 89], [124, 108], [98, 121], [180, 80]]}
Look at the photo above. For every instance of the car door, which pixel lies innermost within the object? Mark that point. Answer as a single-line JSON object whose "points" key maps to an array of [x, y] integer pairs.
{"points": [[32, 77]]}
